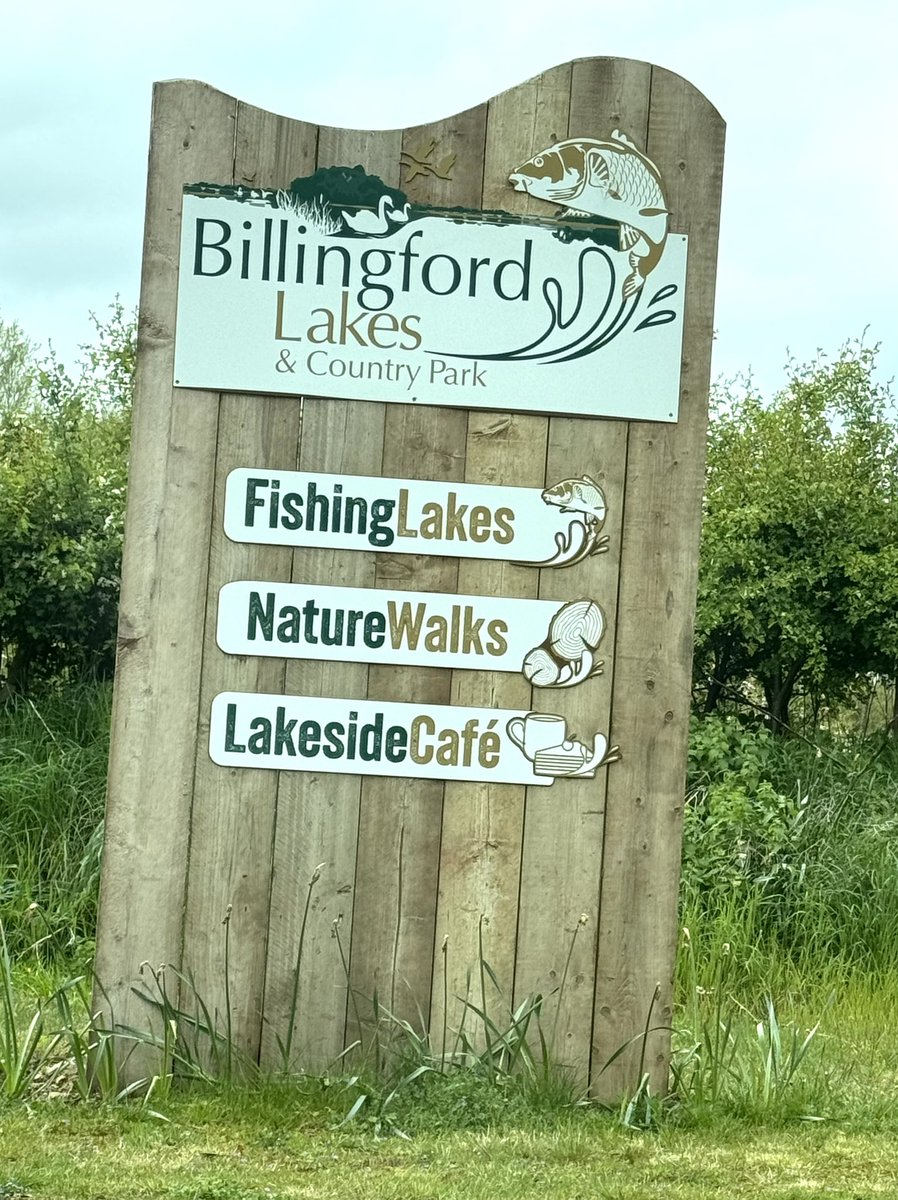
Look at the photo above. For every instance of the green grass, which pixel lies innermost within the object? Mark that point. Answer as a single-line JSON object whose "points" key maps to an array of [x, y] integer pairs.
{"points": [[53, 754], [806, 1050], [265, 1145], [785, 1063], [791, 855]]}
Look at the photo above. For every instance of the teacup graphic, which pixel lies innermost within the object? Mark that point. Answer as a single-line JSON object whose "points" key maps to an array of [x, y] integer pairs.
{"points": [[543, 738], [536, 732]]}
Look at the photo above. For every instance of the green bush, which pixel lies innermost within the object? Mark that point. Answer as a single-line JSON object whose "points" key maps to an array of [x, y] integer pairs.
{"points": [[63, 468], [739, 824], [790, 850], [798, 571]]}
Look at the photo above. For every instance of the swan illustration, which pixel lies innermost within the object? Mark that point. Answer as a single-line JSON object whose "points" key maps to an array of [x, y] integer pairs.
{"points": [[374, 223]]}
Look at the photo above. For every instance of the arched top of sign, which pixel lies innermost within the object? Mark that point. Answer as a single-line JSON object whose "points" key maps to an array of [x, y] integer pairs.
{"points": [[339, 285]]}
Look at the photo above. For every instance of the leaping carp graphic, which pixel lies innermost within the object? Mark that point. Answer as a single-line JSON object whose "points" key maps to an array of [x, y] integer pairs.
{"points": [[584, 536], [620, 193], [604, 179]]}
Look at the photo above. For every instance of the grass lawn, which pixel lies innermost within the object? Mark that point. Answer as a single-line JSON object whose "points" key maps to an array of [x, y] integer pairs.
{"points": [[786, 1060], [256, 1147]]}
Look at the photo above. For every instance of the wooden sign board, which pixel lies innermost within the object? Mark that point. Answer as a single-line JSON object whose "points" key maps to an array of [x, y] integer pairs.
{"points": [[532, 811]]}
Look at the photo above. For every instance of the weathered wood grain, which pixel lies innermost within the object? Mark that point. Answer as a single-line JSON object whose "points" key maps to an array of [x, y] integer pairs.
{"points": [[306, 986], [233, 810], [523, 121], [399, 829], [318, 819], [162, 604], [659, 562], [563, 832], [480, 853], [558, 924], [481, 835], [233, 814]]}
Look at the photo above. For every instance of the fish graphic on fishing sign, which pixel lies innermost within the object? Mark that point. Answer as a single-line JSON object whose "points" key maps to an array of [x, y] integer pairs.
{"points": [[544, 739], [584, 536], [567, 656]]}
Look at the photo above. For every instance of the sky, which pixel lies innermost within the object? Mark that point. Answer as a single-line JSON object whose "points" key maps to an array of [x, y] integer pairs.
{"points": [[808, 254]]}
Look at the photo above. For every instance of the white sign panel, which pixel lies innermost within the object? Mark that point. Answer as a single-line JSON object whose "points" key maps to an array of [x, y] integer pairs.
{"points": [[421, 741], [305, 292], [558, 526], [551, 642]]}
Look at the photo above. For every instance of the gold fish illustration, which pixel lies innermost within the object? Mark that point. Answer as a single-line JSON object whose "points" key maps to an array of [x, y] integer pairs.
{"points": [[583, 537], [581, 495], [610, 179]]}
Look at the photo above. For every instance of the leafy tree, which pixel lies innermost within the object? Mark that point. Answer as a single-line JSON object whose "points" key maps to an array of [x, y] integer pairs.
{"points": [[63, 464], [798, 576], [16, 372]]}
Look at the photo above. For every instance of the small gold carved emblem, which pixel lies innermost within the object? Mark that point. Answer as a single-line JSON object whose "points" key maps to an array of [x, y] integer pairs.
{"points": [[418, 160]]}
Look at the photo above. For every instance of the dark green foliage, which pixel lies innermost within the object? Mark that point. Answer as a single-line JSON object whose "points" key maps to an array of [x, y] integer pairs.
{"points": [[738, 823], [798, 583], [63, 468], [345, 186]]}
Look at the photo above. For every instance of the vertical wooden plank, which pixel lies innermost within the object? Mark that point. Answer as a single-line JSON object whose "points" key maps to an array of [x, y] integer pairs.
{"points": [[564, 830], [233, 811], [480, 853], [306, 992], [399, 831], [482, 822], [233, 816], [609, 94], [523, 121], [163, 585], [659, 562]]}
